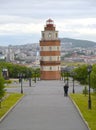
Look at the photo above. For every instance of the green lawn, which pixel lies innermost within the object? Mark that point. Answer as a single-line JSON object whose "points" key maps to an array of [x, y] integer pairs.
{"points": [[9, 101], [82, 102]]}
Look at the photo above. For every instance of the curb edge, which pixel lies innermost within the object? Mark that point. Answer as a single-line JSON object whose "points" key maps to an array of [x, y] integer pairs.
{"points": [[12, 107], [86, 123]]}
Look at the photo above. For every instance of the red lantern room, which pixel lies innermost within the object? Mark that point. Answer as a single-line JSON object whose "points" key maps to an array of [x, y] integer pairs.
{"points": [[49, 21], [49, 25]]}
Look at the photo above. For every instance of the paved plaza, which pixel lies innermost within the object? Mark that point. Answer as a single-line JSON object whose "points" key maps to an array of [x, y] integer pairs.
{"points": [[44, 107]]}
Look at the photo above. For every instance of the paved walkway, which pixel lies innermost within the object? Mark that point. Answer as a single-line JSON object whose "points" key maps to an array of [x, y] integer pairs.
{"points": [[44, 108]]}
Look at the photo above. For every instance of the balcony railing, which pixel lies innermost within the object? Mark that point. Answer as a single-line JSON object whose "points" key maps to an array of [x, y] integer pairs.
{"points": [[49, 62]]}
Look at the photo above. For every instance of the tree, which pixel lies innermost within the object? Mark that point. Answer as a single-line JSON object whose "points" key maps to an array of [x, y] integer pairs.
{"points": [[93, 77], [2, 90], [82, 74]]}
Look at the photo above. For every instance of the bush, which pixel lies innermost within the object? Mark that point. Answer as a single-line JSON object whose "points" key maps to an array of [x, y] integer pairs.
{"points": [[2, 89], [94, 90], [85, 91], [8, 81]]}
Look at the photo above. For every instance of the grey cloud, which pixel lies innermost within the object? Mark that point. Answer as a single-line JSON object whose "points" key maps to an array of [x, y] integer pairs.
{"points": [[93, 26], [38, 8], [32, 11]]}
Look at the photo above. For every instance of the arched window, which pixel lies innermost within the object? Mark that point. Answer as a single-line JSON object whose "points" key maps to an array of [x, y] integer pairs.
{"points": [[42, 35], [50, 48], [41, 57], [49, 35], [58, 48], [42, 48], [50, 67], [50, 58], [56, 35], [58, 58]]}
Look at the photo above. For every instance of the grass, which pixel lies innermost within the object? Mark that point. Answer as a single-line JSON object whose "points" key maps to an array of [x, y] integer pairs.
{"points": [[11, 81], [82, 102], [9, 101]]}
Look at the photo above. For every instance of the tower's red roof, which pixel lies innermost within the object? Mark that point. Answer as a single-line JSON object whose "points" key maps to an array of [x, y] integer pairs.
{"points": [[49, 20], [49, 25]]}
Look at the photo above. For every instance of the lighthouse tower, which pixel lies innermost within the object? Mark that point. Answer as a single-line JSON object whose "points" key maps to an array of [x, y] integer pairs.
{"points": [[50, 53]]}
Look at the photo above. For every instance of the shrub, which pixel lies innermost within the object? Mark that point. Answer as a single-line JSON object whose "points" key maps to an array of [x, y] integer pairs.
{"points": [[8, 81], [2, 89], [85, 91]]}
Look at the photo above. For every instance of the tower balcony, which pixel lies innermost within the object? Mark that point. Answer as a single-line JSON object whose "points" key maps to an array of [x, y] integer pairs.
{"points": [[48, 63]]}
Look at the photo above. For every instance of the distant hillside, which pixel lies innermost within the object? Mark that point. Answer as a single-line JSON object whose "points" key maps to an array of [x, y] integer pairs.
{"points": [[78, 43]]}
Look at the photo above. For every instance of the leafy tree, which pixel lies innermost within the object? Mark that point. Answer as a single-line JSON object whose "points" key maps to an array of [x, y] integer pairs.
{"points": [[2, 90], [14, 70], [82, 74], [85, 91], [93, 77], [38, 73]]}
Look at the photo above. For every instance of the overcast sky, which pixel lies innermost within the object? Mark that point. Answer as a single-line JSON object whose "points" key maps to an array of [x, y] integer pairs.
{"points": [[21, 21]]}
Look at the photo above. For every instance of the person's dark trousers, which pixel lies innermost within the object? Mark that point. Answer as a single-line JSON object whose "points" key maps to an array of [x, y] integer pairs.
{"points": [[66, 93]]}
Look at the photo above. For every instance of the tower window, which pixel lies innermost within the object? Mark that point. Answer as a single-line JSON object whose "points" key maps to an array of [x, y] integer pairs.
{"points": [[41, 67], [43, 35], [50, 67], [49, 35], [50, 48], [42, 48], [42, 58], [50, 58], [57, 47], [58, 58], [56, 35]]}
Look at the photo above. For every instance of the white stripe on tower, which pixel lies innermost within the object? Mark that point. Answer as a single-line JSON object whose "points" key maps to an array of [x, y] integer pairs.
{"points": [[51, 68], [50, 58], [50, 48]]}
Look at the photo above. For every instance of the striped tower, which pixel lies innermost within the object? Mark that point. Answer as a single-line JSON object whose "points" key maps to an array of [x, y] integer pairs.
{"points": [[50, 53]]}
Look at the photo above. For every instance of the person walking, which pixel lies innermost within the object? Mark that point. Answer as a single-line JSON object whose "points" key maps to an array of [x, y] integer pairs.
{"points": [[66, 89]]}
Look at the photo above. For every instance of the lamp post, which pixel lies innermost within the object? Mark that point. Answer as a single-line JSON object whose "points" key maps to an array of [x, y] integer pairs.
{"points": [[66, 73], [73, 86], [35, 76], [67, 78], [21, 86], [30, 82], [20, 80], [62, 74], [89, 69], [73, 74], [38, 74], [28, 76]]}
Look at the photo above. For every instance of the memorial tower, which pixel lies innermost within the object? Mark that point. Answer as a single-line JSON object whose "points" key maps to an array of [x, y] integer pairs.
{"points": [[50, 53]]}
